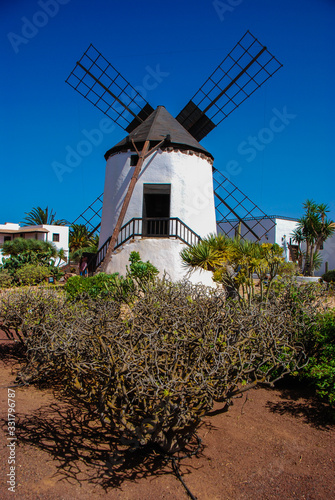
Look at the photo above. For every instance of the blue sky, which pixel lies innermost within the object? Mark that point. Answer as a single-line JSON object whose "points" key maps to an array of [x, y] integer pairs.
{"points": [[183, 41]]}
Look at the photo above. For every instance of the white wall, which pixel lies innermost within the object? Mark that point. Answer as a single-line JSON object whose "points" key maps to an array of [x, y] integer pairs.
{"points": [[190, 176], [284, 228], [164, 254], [328, 255], [192, 201], [10, 225], [63, 232]]}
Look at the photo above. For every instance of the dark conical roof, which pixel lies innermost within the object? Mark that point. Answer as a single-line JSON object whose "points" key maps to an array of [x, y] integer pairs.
{"points": [[155, 128]]}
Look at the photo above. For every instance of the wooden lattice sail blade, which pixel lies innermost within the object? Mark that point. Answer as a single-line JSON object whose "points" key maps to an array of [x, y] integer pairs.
{"points": [[101, 84], [91, 216], [236, 213], [245, 69]]}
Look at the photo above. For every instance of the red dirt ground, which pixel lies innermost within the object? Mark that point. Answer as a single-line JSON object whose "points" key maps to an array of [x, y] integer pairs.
{"points": [[271, 444]]}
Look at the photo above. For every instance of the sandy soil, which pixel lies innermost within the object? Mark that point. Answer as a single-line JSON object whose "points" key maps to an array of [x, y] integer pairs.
{"points": [[272, 444]]}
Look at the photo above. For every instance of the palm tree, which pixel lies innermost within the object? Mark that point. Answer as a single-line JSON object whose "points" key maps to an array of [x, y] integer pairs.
{"points": [[298, 236], [315, 229], [80, 238], [39, 216]]}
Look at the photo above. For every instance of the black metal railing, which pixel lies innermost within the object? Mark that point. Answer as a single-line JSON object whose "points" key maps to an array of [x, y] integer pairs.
{"points": [[167, 227]]}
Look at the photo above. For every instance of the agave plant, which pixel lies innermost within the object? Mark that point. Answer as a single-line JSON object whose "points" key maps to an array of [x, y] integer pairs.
{"points": [[210, 254]]}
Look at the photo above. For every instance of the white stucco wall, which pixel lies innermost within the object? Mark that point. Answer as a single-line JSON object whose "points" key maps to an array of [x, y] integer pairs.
{"points": [[163, 253], [328, 255], [284, 227], [190, 176], [10, 225], [63, 232], [192, 201]]}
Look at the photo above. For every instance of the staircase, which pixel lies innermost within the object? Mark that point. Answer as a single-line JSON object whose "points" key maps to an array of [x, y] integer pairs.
{"points": [[167, 227]]}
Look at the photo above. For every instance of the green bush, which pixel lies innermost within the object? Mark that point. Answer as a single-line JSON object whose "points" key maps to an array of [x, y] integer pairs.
{"points": [[320, 370], [27, 251], [32, 274], [101, 286], [329, 277], [6, 280], [141, 272]]}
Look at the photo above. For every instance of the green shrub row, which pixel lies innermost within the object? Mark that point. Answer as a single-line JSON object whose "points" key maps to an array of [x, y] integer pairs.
{"points": [[320, 370], [113, 286]]}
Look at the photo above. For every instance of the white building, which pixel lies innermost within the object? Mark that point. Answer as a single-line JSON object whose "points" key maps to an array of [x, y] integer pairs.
{"points": [[165, 212], [58, 235], [279, 230]]}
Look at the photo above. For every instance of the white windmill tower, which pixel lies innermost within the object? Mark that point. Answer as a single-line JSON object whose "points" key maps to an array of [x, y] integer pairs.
{"points": [[155, 176], [172, 203]]}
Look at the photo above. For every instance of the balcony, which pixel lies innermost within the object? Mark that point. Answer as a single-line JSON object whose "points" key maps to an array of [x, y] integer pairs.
{"points": [[166, 227]]}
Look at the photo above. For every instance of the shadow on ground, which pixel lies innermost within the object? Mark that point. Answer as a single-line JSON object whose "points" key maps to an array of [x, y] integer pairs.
{"points": [[299, 400], [88, 451]]}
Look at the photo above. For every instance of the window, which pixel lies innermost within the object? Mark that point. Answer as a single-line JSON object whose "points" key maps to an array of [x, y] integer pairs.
{"points": [[133, 160], [55, 237], [7, 238], [156, 209]]}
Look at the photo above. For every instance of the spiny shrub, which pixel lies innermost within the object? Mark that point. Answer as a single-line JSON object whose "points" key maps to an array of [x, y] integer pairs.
{"points": [[154, 369], [24, 311]]}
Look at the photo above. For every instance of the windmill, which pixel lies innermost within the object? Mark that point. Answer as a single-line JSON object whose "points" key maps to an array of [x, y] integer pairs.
{"points": [[130, 210]]}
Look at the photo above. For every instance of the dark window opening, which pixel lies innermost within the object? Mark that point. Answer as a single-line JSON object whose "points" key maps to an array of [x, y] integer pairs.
{"points": [[156, 209], [133, 160], [293, 252], [7, 238], [55, 237]]}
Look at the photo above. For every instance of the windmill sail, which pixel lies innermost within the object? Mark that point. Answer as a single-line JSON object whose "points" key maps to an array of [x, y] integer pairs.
{"points": [[248, 65], [236, 213], [91, 216], [245, 69], [101, 84]]}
